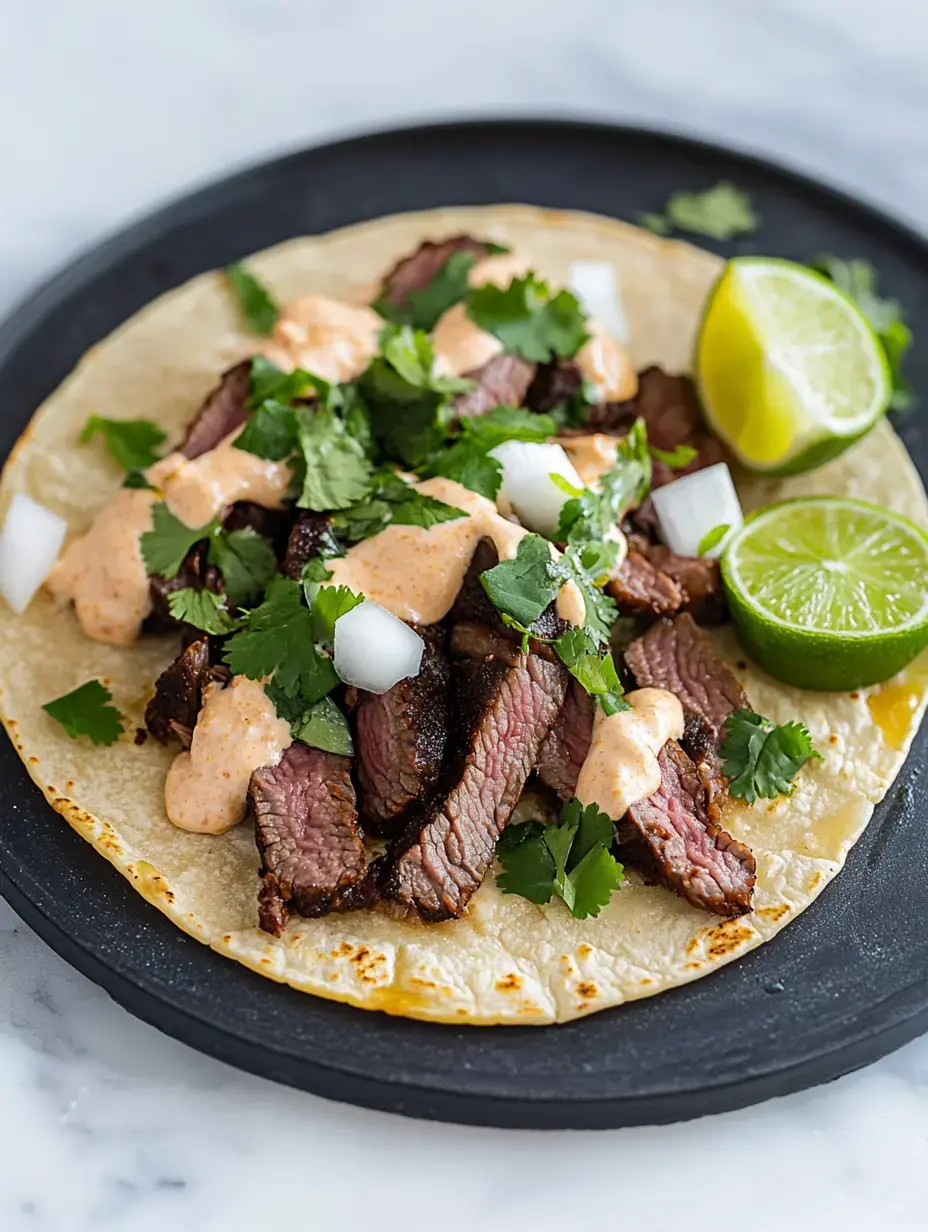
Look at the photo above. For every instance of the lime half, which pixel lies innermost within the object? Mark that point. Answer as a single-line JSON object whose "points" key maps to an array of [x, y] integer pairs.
{"points": [[828, 593], [789, 371]]}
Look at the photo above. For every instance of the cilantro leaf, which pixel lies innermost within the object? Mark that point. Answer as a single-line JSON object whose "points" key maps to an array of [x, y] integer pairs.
{"points": [[136, 479], [85, 712], [570, 857], [270, 431], [588, 565], [677, 458], [523, 587], [169, 540], [656, 223], [528, 319], [391, 499], [270, 382], [246, 561], [330, 602], [712, 538], [579, 651], [589, 516], [132, 442], [508, 423], [336, 469], [202, 609], [721, 213], [255, 301], [324, 726], [467, 461], [423, 308], [279, 640], [471, 466], [761, 757], [858, 279]]}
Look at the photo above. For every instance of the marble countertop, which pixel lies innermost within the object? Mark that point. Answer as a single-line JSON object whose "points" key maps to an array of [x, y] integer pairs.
{"points": [[110, 108]]}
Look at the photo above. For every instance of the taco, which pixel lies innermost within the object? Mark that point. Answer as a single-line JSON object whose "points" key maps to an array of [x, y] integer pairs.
{"points": [[373, 670]]}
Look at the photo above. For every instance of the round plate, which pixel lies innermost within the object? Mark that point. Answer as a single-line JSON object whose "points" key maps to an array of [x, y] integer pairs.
{"points": [[843, 984]]}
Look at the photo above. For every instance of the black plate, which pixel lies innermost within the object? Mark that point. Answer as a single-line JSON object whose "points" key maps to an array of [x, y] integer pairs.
{"points": [[844, 984]]}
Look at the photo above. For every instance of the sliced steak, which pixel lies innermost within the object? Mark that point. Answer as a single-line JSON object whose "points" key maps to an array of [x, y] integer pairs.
{"points": [[501, 381], [654, 581], [565, 750], [699, 578], [416, 271], [676, 655], [553, 385], [311, 536], [640, 588], [501, 716], [400, 738], [173, 710], [306, 829], [691, 853], [224, 410], [195, 573]]}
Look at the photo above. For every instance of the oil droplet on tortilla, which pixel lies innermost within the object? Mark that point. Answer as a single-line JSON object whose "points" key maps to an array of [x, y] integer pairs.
{"points": [[893, 708]]}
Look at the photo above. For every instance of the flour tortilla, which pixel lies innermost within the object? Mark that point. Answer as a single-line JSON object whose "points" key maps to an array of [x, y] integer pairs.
{"points": [[507, 961]]}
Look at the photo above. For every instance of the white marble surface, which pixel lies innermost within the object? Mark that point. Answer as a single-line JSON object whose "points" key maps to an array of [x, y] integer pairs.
{"points": [[108, 107]]}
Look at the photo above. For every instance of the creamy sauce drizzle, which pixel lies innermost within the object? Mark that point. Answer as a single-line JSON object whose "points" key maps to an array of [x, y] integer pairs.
{"points": [[621, 767], [326, 336], [196, 491], [236, 732], [605, 364], [593, 456], [416, 573]]}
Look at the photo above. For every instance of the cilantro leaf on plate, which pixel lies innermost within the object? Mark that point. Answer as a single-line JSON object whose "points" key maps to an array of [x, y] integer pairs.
{"points": [[324, 726], [423, 308], [169, 540], [579, 651], [279, 640], [761, 757], [720, 213], [203, 609], [523, 587], [132, 442], [85, 711], [257, 305], [336, 470], [528, 319], [570, 857], [858, 279], [330, 602], [246, 561]]}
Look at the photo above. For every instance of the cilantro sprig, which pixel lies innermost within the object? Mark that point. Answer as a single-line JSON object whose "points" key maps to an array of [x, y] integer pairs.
{"points": [[720, 213], [203, 609], [422, 309], [523, 587], [529, 319], [169, 540], [761, 757], [390, 499], [258, 306], [570, 858], [468, 461], [588, 516], [581, 654], [132, 442], [86, 711]]}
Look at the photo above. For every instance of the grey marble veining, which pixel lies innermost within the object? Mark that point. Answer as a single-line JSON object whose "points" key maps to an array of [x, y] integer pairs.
{"points": [[108, 108]]}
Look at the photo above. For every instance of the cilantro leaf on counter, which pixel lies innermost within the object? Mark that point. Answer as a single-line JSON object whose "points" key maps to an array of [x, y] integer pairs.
{"points": [[330, 602], [335, 469], [132, 442], [570, 857], [677, 459], [85, 711], [246, 561], [721, 213], [528, 319], [423, 308], [522, 588], [579, 651], [169, 540], [391, 499], [203, 609], [408, 401], [588, 516], [324, 726], [858, 279], [467, 460], [257, 305], [279, 640], [761, 757]]}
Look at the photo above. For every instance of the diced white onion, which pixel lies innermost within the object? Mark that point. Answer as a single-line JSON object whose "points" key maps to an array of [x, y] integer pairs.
{"points": [[527, 484], [29, 545], [374, 649], [595, 286], [689, 508]]}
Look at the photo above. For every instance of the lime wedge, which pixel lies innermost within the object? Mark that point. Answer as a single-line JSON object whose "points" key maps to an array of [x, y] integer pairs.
{"points": [[789, 371], [828, 593]]}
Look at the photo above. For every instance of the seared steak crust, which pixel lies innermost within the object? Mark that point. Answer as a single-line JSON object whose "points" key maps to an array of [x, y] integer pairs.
{"points": [[311, 536], [655, 581], [692, 854], [565, 749], [416, 271], [179, 694], [306, 829], [501, 716], [222, 412], [553, 385], [640, 588], [501, 381], [400, 738]]}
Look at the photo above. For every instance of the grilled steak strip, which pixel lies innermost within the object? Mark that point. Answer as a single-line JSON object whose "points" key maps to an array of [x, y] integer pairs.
{"points": [[656, 582], [568, 743], [311, 536], [179, 693], [501, 381], [691, 853], [222, 412], [306, 829], [501, 716], [640, 588], [400, 739], [416, 271]]}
